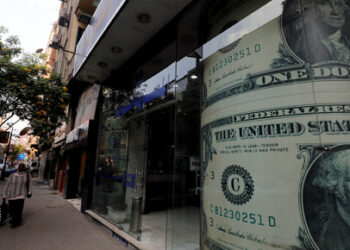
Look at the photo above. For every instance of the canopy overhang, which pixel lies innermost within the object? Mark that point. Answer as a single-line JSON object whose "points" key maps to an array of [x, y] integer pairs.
{"points": [[118, 29]]}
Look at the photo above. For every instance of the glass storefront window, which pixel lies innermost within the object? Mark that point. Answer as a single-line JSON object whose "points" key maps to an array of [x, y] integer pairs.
{"points": [[149, 155], [269, 88], [246, 19], [135, 154], [110, 172], [206, 145]]}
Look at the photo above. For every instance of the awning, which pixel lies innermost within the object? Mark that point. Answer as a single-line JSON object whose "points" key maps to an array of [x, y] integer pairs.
{"points": [[59, 143], [78, 134], [117, 30]]}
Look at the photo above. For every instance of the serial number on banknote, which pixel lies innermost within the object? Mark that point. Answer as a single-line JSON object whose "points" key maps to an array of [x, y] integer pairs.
{"points": [[251, 218], [236, 56]]}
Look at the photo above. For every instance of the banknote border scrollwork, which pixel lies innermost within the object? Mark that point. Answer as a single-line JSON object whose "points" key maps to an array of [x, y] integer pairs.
{"points": [[287, 50], [285, 59], [204, 96], [207, 139], [212, 245], [209, 150]]}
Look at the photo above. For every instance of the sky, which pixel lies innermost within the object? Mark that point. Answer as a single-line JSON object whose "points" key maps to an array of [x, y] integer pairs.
{"points": [[31, 21]]}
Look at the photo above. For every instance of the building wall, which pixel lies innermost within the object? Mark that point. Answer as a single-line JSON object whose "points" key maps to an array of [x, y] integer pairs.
{"points": [[63, 62], [67, 35], [43, 160]]}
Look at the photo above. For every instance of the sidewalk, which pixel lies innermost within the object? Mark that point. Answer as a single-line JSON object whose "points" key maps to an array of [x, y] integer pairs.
{"points": [[50, 222]]}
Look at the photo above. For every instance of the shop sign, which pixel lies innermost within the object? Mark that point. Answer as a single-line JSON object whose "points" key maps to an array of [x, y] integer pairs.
{"points": [[276, 135], [60, 134], [113, 145], [77, 133], [21, 157], [154, 88], [87, 105], [130, 180], [73, 135]]}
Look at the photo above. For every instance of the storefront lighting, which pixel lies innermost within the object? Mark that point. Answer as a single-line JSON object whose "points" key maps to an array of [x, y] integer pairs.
{"points": [[116, 49], [102, 64], [143, 18]]}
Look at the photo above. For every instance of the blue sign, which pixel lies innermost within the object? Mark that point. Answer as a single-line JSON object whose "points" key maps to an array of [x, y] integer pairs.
{"points": [[21, 157], [130, 180]]}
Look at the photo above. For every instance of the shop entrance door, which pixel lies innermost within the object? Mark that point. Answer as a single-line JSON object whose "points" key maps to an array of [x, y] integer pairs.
{"points": [[186, 173], [160, 157], [73, 174], [183, 215]]}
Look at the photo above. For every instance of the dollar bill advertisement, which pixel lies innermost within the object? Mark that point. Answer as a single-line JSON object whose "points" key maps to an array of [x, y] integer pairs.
{"points": [[276, 134]]}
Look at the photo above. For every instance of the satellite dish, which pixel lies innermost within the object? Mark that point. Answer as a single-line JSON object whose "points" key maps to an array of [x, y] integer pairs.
{"points": [[24, 131]]}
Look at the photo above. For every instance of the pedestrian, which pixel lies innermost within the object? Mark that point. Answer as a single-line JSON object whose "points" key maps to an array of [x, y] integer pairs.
{"points": [[17, 188]]}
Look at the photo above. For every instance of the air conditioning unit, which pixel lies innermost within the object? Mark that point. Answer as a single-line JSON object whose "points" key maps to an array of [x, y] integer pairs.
{"points": [[63, 21], [55, 38], [84, 18]]}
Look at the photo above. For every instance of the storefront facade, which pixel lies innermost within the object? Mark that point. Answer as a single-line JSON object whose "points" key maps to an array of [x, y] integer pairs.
{"points": [[77, 145], [227, 128]]}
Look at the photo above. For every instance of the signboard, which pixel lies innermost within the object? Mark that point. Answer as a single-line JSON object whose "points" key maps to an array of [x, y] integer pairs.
{"points": [[21, 157], [78, 133], [60, 135], [276, 135], [87, 106]]}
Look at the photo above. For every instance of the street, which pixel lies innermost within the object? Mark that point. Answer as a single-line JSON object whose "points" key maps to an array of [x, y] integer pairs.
{"points": [[50, 222]]}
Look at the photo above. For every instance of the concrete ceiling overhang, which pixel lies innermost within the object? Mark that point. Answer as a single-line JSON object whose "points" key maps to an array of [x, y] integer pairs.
{"points": [[124, 36]]}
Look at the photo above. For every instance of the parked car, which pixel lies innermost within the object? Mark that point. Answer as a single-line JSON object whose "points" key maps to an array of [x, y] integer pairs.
{"points": [[9, 170], [2, 164], [6, 168], [34, 168]]}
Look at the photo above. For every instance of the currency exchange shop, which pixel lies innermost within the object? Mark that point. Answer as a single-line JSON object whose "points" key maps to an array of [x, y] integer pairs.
{"points": [[228, 128]]}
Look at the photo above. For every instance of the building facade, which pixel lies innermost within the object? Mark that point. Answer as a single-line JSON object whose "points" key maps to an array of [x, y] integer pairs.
{"points": [[67, 156], [216, 124]]}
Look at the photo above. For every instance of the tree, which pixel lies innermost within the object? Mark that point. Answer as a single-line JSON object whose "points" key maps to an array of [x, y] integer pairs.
{"points": [[29, 92], [16, 150]]}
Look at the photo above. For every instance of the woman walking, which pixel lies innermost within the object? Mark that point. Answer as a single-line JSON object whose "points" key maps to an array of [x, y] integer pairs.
{"points": [[18, 186]]}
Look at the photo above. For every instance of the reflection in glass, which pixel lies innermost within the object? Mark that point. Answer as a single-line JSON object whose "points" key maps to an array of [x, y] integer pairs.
{"points": [[327, 200], [110, 173], [325, 30], [237, 22]]}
